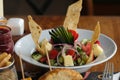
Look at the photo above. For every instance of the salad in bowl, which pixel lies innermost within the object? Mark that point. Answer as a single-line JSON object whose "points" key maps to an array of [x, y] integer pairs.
{"points": [[64, 49], [66, 46]]}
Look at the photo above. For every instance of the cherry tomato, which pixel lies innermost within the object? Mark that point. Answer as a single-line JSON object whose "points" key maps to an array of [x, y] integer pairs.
{"points": [[74, 34], [53, 54], [70, 52], [97, 42], [87, 48], [84, 48], [43, 59]]}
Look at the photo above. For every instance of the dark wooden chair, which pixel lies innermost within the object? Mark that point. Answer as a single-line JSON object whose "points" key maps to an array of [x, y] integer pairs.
{"points": [[39, 6], [90, 7]]}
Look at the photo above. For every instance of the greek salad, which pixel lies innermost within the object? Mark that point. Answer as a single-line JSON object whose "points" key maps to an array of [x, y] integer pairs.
{"points": [[64, 49]]}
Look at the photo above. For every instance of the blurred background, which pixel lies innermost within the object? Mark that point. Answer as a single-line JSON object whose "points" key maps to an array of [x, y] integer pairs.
{"points": [[59, 7]]}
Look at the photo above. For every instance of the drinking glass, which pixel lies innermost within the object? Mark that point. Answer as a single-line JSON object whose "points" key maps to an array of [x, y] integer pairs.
{"points": [[3, 21], [9, 72], [6, 42]]}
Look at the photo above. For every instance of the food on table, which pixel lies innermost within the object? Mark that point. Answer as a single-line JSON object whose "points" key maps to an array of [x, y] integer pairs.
{"points": [[7, 69], [96, 33], [36, 30], [73, 15], [95, 49], [64, 48], [62, 74], [3, 55], [5, 59], [68, 61]]}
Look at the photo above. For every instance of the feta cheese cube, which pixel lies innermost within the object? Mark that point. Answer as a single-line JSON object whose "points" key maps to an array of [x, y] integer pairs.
{"points": [[45, 44], [97, 49], [68, 61]]}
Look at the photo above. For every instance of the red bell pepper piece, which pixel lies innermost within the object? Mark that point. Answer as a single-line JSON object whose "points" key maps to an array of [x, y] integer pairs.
{"points": [[43, 59]]}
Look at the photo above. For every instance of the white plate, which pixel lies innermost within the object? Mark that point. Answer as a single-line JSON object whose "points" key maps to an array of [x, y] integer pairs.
{"points": [[26, 47]]}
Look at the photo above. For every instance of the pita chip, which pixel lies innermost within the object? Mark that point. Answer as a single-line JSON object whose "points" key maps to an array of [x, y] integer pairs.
{"points": [[96, 33], [35, 30], [73, 15], [95, 37]]}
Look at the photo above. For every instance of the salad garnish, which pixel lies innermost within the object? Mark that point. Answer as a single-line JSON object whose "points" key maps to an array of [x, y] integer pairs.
{"points": [[61, 35]]}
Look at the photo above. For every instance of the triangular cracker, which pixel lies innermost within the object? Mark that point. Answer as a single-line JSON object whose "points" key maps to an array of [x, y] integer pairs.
{"points": [[73, 15], [95, 37], [96, 33], [35, 30]]}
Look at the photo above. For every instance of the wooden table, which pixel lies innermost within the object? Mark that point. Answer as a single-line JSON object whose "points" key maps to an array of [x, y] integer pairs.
{"points": [[110, 26]]}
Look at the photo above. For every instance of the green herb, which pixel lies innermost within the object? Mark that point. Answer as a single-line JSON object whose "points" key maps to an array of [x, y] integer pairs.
{"points": [[61, 35], [61, 60], [52, 61], [36, 56]]}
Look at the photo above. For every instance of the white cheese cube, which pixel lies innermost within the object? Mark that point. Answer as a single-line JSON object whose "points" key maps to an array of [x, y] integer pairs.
{"points": [[68, 61], [97, 49], [16, 25], [48, 45]]}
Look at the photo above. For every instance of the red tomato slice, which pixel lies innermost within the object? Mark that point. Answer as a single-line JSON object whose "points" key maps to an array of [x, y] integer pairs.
{"points": [[70, 52], [53, 54], [84, 48], [43, 59], [87, 48], [97, 42], [74, 33]]}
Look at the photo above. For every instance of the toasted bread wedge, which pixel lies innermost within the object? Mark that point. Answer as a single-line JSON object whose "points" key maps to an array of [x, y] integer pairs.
{"points": [[62, 74]]}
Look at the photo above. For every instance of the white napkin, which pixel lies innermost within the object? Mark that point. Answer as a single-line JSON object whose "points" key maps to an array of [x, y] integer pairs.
{"points": [[116, 76]]}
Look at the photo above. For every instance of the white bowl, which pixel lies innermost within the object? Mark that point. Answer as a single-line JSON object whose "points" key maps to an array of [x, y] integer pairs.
{"points": [[26, 47]]}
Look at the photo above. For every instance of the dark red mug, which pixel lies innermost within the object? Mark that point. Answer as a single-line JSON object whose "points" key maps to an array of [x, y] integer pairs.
{"points": [[6, 42]]}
